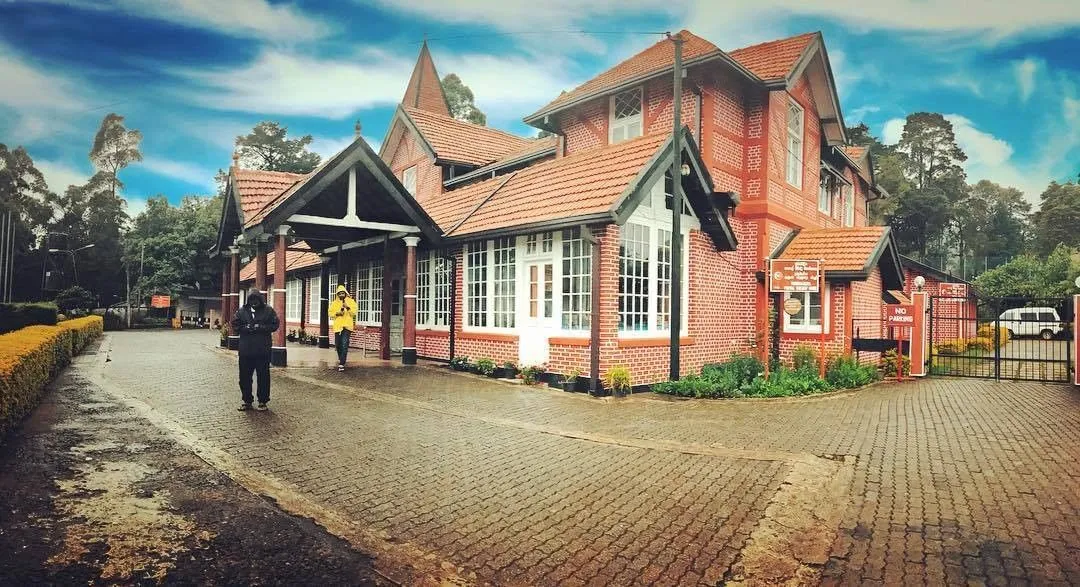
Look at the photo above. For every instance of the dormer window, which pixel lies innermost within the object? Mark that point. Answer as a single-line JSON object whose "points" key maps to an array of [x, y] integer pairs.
{"points": [[625, 120]]}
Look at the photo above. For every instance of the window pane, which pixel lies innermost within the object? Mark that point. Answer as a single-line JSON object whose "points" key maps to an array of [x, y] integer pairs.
{"points": [[442, 290], [476, 284], [663, 280], [549, 290], [363, 293], [314, 285], [423, 289], [504, 281], [1046, 317], [814, 307], [634, 278], [576, 281]]}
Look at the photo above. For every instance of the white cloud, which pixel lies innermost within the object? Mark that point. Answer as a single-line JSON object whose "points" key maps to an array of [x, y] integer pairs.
{"points": [[856, 115], [892, 130], [28, 86], [516, 15], [187, 172], [134, 205], [983, 149], [1025, 76], [257, 19], [508, 87], [60, 175], [327, 147]]}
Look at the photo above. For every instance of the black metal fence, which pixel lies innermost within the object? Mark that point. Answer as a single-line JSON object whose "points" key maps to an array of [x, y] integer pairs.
{"points": [[1002, 338]]}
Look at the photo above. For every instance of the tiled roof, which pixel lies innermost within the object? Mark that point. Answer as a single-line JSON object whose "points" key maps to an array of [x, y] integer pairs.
{"points": [[537, 147], [255, 188], [774, 59], [575, 185], [856, 153], [293, 260], [655, 59], [425, 89], [843, 249], [464, 142]]}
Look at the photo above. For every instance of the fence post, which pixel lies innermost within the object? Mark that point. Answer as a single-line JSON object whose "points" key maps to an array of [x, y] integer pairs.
{"points": [[997, 340], [930, 338], [917, 341], [1076, 340]]}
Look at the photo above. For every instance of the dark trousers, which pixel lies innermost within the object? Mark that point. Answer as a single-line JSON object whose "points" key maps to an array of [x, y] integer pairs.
{"points": [[258, 365], [341, 342]]}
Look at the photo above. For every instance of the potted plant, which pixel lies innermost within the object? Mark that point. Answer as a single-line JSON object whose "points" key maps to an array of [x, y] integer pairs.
{"points": [[617, 379], [224, 331], [507, 371], [573, 381], [291, 336], [531, 374], [485, 367], [460, 363]]}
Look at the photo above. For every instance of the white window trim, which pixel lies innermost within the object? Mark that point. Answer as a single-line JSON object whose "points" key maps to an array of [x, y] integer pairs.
{"points": [[427, 322], [294, 304], [361, 315], [314, 305], [789, 137], [557, 256], [826, 315], [489, 257], [847, 192], [655, 217], [405, 180], [639, 117]]}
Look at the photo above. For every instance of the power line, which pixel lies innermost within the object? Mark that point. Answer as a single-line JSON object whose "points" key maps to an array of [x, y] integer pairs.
{"points": [[535, 32]]}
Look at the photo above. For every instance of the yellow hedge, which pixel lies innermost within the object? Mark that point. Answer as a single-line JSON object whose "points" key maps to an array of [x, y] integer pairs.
{"points": [[31, 356], [987, 331]]}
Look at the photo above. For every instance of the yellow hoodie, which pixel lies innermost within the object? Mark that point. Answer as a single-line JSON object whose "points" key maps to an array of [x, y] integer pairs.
{"points": [[343, 312]]}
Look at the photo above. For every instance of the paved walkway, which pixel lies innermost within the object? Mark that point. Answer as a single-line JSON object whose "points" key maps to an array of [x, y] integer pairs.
{"points": [[938, 481]]}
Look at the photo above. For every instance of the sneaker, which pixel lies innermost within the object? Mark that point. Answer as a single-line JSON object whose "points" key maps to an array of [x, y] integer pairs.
{"points": [[244, 407], [262, 407], [341, 368]]}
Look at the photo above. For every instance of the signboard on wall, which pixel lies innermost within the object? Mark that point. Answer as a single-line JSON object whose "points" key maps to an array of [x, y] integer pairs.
{"points": [[160, 302], [900, 315], [953, 290], [792, 275]]}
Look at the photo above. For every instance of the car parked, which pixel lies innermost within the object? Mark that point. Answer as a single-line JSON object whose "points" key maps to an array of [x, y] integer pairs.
{"points": [[1042, 322]]}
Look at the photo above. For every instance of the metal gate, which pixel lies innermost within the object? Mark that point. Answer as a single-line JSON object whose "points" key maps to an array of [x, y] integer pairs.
{"points": [[1002, 338]]}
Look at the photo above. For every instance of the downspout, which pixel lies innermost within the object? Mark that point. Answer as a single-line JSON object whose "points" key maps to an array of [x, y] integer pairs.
{"points": [[453, 303], [594, 318]]}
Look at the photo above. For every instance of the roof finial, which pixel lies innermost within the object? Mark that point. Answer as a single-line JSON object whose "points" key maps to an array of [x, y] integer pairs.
{"points": [[236, 159], [357, 128]]}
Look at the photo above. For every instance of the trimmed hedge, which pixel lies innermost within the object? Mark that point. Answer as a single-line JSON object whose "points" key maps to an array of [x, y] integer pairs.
{"points": [[31, 356], [16, 316]]}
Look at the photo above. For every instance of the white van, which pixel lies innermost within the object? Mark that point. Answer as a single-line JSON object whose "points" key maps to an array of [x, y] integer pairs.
{"points": [[1042, 322]]}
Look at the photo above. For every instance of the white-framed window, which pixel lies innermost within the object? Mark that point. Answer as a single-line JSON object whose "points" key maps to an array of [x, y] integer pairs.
{"points": [[408, 179], [369, 292], [432, 290], [539, 244], [625, 121], [826, 192], [795, 128], [314, 315], [476, 284], [645, 264], [808, 320], [504, 254], [491, 267], [849, 205], [576, 281], [294, 299]]}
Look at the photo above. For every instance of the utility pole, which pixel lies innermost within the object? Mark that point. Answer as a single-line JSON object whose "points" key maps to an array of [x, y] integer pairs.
{"points": [[4, 277], [127, 283], [676, 211]]}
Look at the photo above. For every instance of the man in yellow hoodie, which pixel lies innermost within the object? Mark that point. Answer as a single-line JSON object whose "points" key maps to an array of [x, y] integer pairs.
{"points": [[343, 320]]}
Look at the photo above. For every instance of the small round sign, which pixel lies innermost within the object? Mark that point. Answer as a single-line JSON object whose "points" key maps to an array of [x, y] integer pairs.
{"points": [[792, 306]]}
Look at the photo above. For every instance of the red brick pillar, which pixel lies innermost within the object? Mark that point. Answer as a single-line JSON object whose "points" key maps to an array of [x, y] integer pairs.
{"points": [[234, 293], [260, 268], [408, 347], [919, 340], [278, 355], [384, 332]]}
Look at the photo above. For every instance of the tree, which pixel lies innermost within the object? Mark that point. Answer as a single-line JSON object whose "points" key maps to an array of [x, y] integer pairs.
{"points": [[860, 136], [543, 134], [1030, 276], [1058, 217], [932, 155], [24, 193], [992, 221], [115, 147], [74, 298], [461, 99], [269, 148]]}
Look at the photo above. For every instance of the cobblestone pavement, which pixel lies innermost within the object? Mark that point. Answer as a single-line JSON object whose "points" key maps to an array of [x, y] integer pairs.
{"points": [[940, 481]]}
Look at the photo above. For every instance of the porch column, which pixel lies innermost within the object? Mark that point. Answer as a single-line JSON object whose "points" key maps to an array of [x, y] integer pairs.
{"points": [[260, 267], [278, 354], [234, 293], [226, 316], [324, 302], [408, 347], [384, 332]]}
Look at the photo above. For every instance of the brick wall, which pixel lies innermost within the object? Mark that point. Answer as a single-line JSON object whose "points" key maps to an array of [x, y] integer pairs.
{"points": [[952, 318], [408, 153], [866, 305]]}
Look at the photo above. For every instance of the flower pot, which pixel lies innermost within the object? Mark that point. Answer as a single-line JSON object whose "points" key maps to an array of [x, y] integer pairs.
{"points": [[224, 343]]}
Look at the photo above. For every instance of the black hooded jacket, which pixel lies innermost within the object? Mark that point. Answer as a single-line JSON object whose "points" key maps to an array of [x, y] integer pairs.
{"points": [[255, 322]]}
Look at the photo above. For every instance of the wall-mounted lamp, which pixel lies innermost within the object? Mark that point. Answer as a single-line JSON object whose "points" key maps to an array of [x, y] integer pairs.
{"points": [[684, 170]]}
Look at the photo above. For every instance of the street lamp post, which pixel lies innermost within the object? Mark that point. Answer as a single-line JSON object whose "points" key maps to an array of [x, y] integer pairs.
{"points": [[74, 267]]}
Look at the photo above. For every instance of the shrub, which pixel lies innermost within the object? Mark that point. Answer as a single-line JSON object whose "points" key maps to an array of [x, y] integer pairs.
{"points": [[113, 321], [804, 358], [460, 363], [981, 344], [73, 299], [29, 357], [786, 382], [16, 316], [888, 363], [485, 367], [742, 377], [987, 331], [950, 347], [846, 372], [617, 379], [531, 374]]}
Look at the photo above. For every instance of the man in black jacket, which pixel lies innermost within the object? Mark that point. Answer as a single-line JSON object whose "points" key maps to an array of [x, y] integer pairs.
{"points": [[255, 322]]}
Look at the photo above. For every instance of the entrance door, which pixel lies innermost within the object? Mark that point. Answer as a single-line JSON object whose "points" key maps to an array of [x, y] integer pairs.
{"points": [[538, 319], [397, 316]]}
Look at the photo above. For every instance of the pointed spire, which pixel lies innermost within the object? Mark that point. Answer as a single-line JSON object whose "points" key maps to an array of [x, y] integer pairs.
{"points": [[357, 128], [425, 88], [236, 160]]}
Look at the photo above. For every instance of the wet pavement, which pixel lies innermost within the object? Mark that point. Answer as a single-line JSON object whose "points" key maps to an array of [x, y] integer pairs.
{"points": [[446, 477]]}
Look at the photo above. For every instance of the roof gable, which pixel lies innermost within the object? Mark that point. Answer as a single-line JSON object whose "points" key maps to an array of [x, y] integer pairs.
{"points": [[455, 141], [425, 90], [773, 59], [849, 253]]}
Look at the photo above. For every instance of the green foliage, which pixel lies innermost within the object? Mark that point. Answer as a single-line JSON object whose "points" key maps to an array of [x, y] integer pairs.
{"points": [[888, 363], [485, 366], [743, 376], [16, 316], [617, 379], [1028, 276], [846, 372], [949, 347], [987, 331], [461, 100], [785, 382], [269, 148], [460, 363], [1055, 222], [804, 358], [74, 298], [531, 374]]}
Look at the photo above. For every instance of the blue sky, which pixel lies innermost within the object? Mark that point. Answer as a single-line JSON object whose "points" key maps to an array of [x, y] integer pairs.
{"points": [[193, 74]]}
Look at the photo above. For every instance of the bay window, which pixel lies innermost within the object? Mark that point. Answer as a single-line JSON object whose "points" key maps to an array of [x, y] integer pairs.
{"points": [[826, 192], [369, 294], [625, 121], [576, 281], [795, 126], [432, 290]]}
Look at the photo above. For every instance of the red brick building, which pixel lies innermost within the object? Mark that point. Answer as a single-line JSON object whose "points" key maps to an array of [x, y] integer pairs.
{"points": [[558, 250]]}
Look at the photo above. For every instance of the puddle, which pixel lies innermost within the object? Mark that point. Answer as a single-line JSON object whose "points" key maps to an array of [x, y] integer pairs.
{"points": [[101, 505]]}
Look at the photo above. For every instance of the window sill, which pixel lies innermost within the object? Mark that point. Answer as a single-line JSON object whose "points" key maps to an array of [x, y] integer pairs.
{"points": [[569, 341], [654, 341], [433, 332], [489, 336]]}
